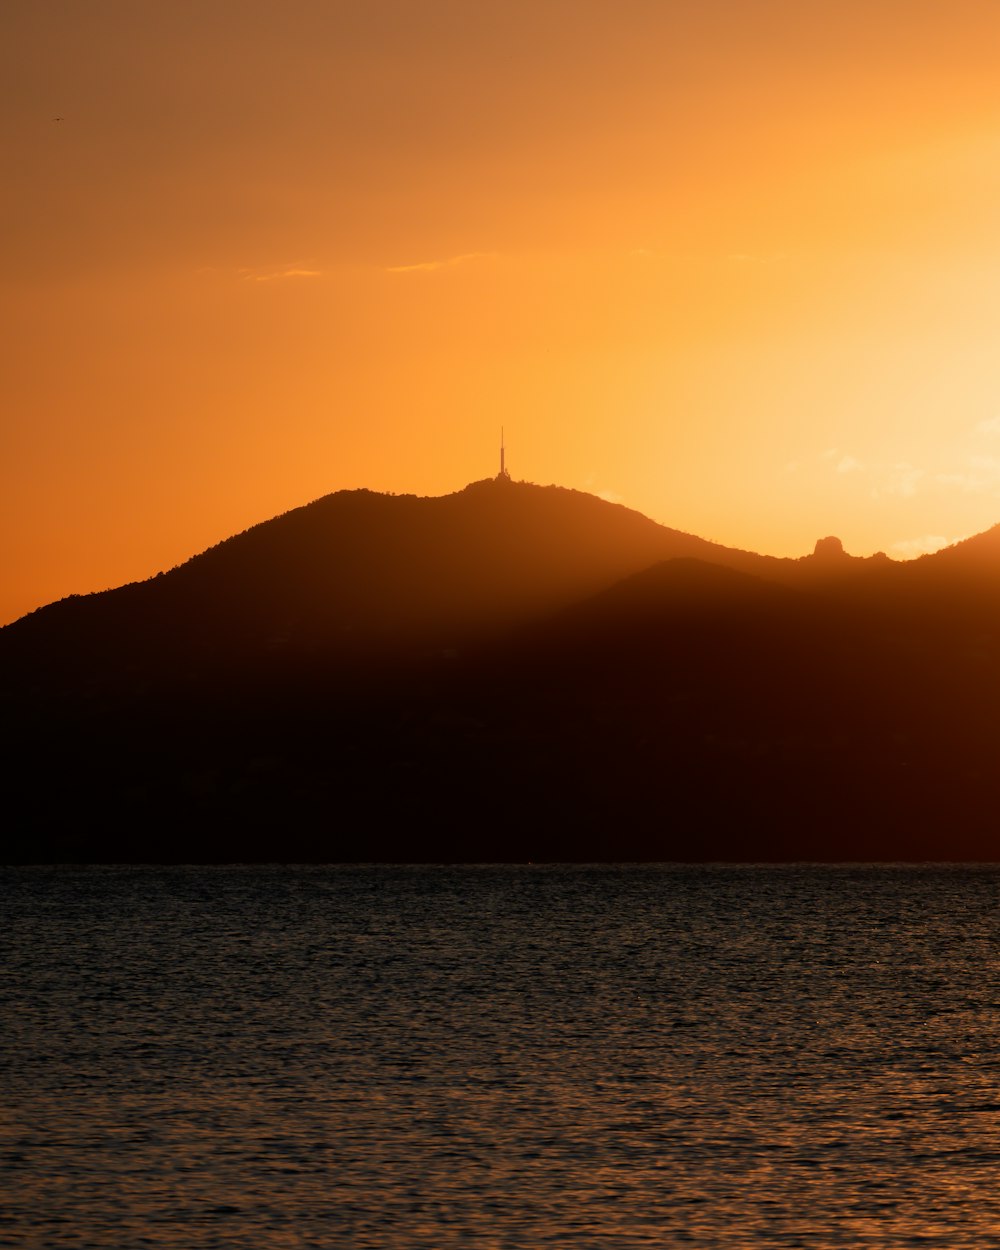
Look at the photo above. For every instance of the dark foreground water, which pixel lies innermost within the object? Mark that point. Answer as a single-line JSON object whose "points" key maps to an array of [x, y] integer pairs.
{"points": [[500, 1057]]}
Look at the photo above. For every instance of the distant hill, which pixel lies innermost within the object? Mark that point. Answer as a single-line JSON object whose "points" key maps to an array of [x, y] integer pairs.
{"points": [[979, 554], [963, 577], [357, 572], [509, 672]]}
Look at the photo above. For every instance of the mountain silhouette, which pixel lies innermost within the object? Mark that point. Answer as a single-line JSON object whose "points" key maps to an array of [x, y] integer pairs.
{"points": [[981, 553], [509, 672], [358, 572]]}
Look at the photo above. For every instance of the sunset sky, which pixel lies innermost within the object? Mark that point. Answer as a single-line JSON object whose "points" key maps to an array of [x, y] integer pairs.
{"points": [[734, 264]]}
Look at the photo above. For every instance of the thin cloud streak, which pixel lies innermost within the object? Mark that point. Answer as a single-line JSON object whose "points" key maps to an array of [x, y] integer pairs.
{"points": [[428, 266], [927, 544], [292, 271], [903, 479], [974, 475]]}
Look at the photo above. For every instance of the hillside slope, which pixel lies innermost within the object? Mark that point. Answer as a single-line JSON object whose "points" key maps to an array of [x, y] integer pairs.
{"points": [[511, 672]]}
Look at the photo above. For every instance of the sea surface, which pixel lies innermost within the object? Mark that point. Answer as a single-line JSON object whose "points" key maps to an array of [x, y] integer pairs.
{"points": [[524, 1056]]}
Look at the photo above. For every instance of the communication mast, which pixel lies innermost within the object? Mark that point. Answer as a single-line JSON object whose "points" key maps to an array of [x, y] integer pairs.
{"points": [[503, 475]]}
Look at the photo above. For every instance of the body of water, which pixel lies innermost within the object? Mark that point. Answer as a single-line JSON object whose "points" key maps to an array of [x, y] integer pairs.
{"points": [[503, 1057]]}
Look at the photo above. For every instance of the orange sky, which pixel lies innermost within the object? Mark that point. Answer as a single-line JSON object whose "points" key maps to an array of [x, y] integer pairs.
{"points": [[735, 264]]}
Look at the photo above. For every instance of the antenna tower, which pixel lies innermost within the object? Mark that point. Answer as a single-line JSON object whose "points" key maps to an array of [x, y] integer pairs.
{"points": [[503, 475]]}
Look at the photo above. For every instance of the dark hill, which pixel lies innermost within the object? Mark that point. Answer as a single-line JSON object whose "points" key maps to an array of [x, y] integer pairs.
{"points": [[677, 589], [965, 576], [980, 553], [355, 573], [511, 672]]}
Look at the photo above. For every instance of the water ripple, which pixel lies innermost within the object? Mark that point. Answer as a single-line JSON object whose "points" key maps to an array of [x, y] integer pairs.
{"points": [[498, 1057]]}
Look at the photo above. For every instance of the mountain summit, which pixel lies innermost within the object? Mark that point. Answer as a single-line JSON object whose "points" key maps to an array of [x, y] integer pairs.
{"points": [[508, 672], [358, 570]]}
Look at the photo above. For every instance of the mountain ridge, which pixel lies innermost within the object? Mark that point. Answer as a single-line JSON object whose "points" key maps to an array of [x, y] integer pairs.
{"points": [[508, 672], [357, 565], [260, 540]]}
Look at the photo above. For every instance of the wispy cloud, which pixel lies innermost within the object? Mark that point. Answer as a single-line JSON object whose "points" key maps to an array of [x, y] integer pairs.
{"points": [[428, 266], [990, 426], [980, 475], [609, 496], [274, 275], [901, 479], [910, 548], [842, 462], [973, 475]]}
